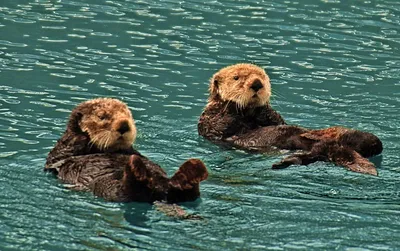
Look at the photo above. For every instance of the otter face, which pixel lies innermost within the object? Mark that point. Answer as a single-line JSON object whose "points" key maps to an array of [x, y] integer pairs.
{"points": [[108, 122], [245, 84]]}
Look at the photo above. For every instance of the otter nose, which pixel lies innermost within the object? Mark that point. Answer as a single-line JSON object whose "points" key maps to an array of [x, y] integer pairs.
{"points": [[124, 127], [256, 85]]}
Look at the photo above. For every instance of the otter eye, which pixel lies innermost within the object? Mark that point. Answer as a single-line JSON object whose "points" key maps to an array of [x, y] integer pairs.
{"points": [[236, 77]]}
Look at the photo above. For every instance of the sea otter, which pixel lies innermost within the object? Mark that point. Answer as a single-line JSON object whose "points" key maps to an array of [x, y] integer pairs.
{"points": [[238, 114], [96, 154]]}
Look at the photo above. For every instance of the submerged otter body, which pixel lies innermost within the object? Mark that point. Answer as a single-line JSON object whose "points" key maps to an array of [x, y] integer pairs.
{"points": [[125, 178], [238, 114], [96, 154]]}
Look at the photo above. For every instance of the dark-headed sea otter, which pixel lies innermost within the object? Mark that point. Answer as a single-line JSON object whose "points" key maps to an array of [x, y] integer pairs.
{"points": [[238, 114], [96, 154]]}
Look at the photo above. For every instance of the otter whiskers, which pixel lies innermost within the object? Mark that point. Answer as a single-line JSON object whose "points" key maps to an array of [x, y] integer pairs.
{"points": [[101, 139]]}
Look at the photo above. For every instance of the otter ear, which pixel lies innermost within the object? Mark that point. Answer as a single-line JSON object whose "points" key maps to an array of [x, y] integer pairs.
{"points": [[74, 120], [214, 85]]}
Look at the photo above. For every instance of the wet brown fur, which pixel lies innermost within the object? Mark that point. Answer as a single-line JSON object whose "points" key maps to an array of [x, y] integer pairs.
{"points": [[252, 124], [95, 154], [125, 178]]}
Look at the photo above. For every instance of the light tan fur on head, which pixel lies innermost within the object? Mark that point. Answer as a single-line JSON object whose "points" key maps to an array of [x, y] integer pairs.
{"points": [[108, 122], [245, 84]]}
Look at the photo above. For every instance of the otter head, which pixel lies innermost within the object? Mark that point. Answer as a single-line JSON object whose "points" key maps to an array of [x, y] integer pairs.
{"points": [[107, 122], [247, 85]]}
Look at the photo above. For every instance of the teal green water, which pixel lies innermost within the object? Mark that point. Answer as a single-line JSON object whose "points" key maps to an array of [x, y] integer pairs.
{"points": [[331, 62]]}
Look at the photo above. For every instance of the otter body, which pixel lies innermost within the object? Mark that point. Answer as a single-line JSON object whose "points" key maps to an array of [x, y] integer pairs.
{"points": [[125, 178], [96, 154], [238, 114], [221, 120]]}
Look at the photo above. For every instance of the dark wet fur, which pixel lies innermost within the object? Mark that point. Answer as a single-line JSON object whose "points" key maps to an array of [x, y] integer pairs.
{"points": [[75, 144], [261, 128], [119, 175], [222, 120], [125, 178]]}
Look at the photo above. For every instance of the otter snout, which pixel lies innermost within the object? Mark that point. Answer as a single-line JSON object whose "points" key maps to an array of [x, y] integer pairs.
{"points": [[123, 127], [256, 85]]}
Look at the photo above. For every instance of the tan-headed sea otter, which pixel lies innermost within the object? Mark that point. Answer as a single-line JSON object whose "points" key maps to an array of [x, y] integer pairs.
{"points": [[96, 154], [238, 114]]}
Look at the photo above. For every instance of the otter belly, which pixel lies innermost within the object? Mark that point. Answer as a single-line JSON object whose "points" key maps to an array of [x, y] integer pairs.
{"points": [[270, 137]]}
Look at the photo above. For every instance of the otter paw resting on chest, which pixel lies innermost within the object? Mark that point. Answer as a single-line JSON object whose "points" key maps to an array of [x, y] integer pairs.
{"points": [[95, 154], [238, 103], [238, 114]]}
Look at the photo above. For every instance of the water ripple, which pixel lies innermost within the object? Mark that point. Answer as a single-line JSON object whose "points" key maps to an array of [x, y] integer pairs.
{"points": [[330, 63]]}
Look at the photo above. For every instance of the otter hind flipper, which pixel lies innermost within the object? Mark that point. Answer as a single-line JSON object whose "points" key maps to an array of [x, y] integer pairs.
{"points": [[353, 161], [330, 151], [175, 211]]}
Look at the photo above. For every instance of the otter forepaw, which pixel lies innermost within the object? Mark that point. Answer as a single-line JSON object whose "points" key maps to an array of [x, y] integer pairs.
{"points": [[137, 168], [190, 173]]}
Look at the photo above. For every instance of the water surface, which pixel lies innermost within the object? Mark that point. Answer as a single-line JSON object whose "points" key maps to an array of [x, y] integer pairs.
{"points": [[330, 62]]}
